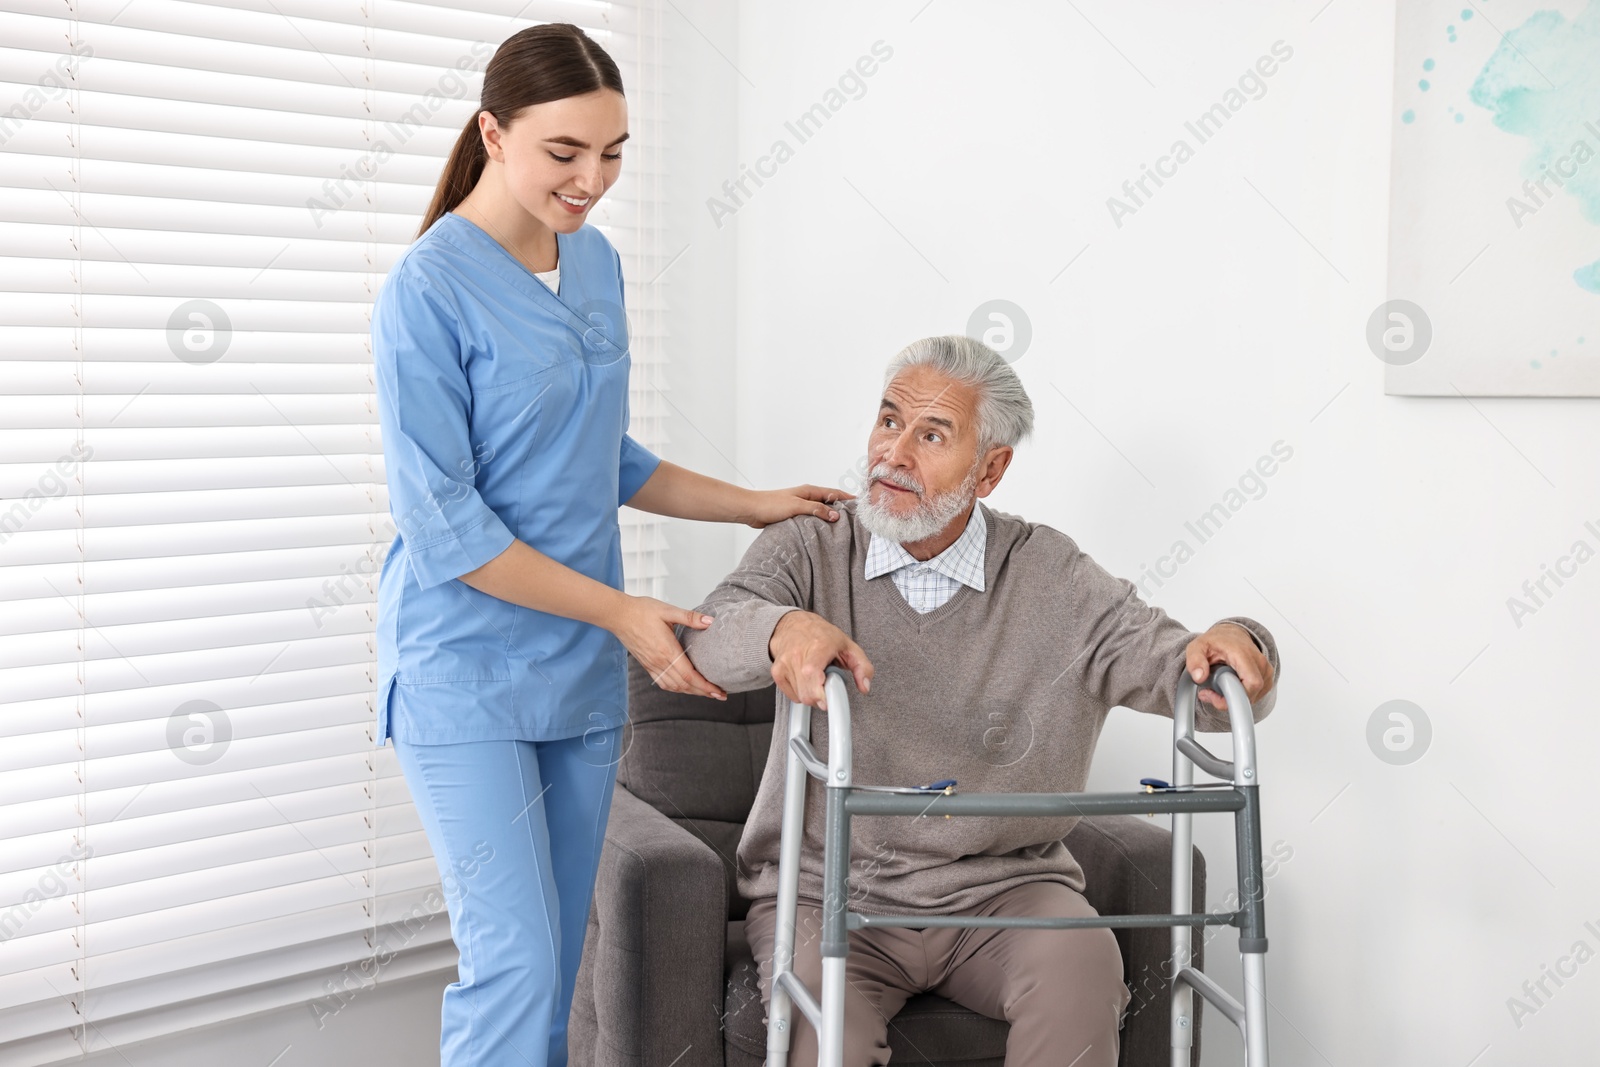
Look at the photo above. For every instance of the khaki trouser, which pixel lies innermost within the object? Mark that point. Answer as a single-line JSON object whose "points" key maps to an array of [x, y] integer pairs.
{"points": [[1061, 990]]}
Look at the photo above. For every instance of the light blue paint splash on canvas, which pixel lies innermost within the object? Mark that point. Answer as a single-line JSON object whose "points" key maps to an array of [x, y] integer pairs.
{"points": [[1543, 83]]}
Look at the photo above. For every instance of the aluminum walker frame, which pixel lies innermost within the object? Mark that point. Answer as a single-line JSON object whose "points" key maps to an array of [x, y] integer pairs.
{"points": [[1181, 800]]}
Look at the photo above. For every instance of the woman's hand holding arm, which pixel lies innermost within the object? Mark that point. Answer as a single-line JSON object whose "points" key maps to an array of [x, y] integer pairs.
{"points": [[680, 493], [524, 575]]}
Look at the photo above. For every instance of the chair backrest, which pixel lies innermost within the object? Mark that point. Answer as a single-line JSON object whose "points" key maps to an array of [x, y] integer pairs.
{"points": [[698, 761]]}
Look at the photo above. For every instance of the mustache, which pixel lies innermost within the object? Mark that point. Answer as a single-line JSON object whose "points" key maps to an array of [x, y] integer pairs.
{"points": [[904, 481]]}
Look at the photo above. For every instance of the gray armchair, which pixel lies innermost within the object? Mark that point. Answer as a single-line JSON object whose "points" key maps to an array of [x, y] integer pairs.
{"points": [[667, 978]]}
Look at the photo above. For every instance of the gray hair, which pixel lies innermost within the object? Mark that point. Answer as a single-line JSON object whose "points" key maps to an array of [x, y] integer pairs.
{"points": [[1005, 414]]}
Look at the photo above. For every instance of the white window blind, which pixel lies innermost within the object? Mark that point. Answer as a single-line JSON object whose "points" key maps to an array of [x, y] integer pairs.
{"points": [[198, 203]]}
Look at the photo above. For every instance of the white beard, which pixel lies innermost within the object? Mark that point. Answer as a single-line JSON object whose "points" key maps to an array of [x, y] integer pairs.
{"points": [[931, 515]]}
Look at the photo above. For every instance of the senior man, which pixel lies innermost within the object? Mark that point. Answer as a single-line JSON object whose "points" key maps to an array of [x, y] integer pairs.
{"points": [[997, 648]]}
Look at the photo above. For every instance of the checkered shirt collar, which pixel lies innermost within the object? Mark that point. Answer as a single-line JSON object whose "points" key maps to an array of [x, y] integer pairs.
{"points": [[962, 561]]}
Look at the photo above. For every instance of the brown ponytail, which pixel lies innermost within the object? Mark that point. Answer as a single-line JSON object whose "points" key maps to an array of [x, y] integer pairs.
{"points": [[532, 66]]}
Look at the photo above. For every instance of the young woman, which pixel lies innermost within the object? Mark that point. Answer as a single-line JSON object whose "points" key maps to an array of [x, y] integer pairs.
{"points": [[501, 355]]}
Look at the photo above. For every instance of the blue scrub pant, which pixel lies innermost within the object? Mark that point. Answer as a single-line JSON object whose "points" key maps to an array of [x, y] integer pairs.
{"points": [[516, 828]]}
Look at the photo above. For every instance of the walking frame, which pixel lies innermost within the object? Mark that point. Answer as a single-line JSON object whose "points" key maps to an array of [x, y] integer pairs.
{"points": [[1182, 799]]}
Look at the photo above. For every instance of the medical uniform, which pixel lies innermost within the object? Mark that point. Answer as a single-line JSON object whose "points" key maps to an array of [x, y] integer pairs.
{"points": [[504, 411]]}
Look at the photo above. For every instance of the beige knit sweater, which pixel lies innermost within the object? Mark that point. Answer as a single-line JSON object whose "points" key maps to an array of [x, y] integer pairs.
{"points": [[1004, 690]]}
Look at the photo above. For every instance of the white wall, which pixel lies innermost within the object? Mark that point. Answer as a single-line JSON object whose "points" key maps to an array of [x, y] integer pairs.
{"points": [[702, 284], [1225, 315]]}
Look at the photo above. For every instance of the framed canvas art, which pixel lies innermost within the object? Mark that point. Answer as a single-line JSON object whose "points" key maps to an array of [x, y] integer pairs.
{"points": [[1494, 224]]}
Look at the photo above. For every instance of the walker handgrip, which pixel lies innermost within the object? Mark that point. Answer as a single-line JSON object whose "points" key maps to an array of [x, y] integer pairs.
{"points": [[841, 774], [1222, 680]]}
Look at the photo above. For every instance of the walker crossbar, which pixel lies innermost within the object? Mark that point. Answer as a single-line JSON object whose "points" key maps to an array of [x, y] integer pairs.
{"points": [[857, 921], [1043, 803], [844, 800]]}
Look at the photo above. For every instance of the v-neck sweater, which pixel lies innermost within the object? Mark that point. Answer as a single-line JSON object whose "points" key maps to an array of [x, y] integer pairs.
{"points": [[1005, 690]]}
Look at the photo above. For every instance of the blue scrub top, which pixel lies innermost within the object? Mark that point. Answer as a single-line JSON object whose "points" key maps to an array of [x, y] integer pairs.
{"points": [[504, 411]]}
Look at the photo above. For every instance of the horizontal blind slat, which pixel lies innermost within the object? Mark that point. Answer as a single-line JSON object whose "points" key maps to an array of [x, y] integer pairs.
{"points": [[161, 800]]}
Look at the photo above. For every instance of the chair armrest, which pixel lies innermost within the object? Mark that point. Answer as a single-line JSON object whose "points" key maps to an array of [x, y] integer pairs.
{"points": [[651, 982], [1127, 869]]}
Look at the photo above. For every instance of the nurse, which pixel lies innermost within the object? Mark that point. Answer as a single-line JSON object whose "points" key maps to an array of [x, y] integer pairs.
{"points": [[501, 354]]}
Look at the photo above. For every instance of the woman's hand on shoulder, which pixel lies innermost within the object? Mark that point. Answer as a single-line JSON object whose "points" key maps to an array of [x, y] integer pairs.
{"points": [[775, 505]]}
